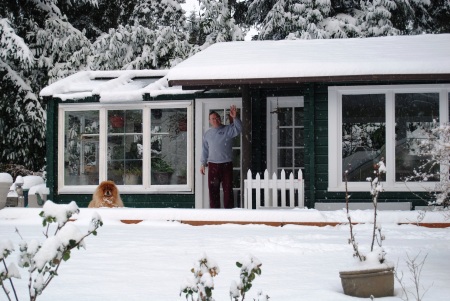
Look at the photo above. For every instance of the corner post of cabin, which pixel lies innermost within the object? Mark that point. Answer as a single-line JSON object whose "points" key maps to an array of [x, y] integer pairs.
{"points": [[246, 117]]}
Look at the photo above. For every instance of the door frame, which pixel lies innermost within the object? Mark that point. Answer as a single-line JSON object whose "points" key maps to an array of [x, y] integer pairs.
{"points": [[202, 106]]}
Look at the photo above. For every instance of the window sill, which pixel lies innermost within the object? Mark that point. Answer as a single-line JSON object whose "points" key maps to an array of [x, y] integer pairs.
{"points": [[397, 187], [157, 189]]}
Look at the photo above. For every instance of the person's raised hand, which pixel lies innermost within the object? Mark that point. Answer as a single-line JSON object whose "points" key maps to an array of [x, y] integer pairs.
{"points": [[233, 111]]}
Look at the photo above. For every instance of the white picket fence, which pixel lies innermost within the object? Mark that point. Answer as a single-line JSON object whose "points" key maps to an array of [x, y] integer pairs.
{"points": [[270, 189]]}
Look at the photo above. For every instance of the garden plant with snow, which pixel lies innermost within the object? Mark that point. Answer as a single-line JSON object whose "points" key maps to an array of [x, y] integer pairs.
{"points": [[249, 270], [201, 283], [432, 143], [415, 267], [43, 259], [376, 254]]}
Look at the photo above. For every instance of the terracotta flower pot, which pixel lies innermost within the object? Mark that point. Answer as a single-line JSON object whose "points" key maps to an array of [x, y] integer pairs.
{"points": [[116, 121], [366, 283]]}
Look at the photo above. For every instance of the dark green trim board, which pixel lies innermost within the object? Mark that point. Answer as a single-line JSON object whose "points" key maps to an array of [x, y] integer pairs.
{"points": [[259, 149], [310, 119], [137, 200], [247, 139], [52, 146]]}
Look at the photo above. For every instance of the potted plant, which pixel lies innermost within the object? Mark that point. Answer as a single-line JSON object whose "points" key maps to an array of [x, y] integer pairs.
{"points": [[132, 174], [177, 123], [374, 276], [116, 121], [161, 171]]}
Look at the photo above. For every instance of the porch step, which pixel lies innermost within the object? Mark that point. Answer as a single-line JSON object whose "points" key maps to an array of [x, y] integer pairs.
{"points": [[363, 206]]}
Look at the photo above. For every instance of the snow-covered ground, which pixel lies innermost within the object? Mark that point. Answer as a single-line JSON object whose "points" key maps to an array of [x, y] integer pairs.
{"points": [[152, 259]]}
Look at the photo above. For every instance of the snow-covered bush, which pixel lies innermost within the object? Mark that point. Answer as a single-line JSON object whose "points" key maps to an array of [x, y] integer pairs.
{"points": [[43, 259], [249, 270], [434, 148], [201, 284], [376, 254]]}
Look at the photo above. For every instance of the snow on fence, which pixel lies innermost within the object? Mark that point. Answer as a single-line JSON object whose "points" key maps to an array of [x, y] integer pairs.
{"points": [[271, 187]]}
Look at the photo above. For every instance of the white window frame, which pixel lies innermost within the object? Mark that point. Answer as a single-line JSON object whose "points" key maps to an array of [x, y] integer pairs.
{"points": [[272, 132], [103, 109], [335, 172]]}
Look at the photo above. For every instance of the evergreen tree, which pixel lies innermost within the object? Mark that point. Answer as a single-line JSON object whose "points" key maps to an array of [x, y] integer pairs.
{"points": [[22, 118], [98, 19], [215, 24], [64, 50], [155, 13], [24, 66], [170, 43], [196, 35], [440, 12], [296, 19], [376, 18], [412, 17]]}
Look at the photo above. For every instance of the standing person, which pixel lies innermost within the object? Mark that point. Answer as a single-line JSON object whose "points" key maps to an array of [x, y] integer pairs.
{"points": [[217, 155]]}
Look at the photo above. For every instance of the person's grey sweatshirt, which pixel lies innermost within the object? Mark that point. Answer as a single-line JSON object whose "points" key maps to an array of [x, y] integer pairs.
{"points": [[218, 143]]}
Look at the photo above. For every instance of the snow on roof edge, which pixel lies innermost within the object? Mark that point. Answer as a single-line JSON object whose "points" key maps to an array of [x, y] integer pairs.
{"points": [[392, 55], [62, 88]]}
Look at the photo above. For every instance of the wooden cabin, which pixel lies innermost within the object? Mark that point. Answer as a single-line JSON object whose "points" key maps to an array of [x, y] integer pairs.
{"points": [[322, 106]]}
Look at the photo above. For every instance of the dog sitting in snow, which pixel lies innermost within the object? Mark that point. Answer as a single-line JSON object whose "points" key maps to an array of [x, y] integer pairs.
{"points": [[106, 195]]}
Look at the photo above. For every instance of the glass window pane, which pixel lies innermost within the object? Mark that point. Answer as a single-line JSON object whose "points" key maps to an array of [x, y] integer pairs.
{"points": [[81, 148], [284, 158], [236, 157], [299, 137], [284, 116], [363, 134], [125, 147], [236, 179], [414, 113], [285, 137], [169, 147], [299, 157], [299, 116], [228, 120]]}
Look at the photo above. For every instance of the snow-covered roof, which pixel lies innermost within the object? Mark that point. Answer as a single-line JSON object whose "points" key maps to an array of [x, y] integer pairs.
{"points": [[112, 86], [291, 60]]}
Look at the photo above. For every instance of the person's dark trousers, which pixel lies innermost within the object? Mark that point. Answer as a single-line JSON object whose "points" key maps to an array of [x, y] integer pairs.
{"points": [[220, 173]]}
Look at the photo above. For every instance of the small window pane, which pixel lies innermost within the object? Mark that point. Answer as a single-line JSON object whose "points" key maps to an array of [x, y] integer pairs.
{"points": [[125, 147], [414, 113], [169, 147], [285, 116], [299, 137], [285, 158], [81, 148], [236, 179], [236, 157], [363, 134], [299, 157], [285, 137], [299, 116]]}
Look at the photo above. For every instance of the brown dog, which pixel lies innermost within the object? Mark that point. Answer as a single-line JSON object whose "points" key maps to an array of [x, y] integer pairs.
{"points": [[106, 195]]}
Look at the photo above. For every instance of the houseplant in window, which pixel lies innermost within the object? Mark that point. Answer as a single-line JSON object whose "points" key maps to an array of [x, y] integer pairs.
{"points": [[373, 275], [133, 174], [161, 171], [176, 122], [133, 164]]}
